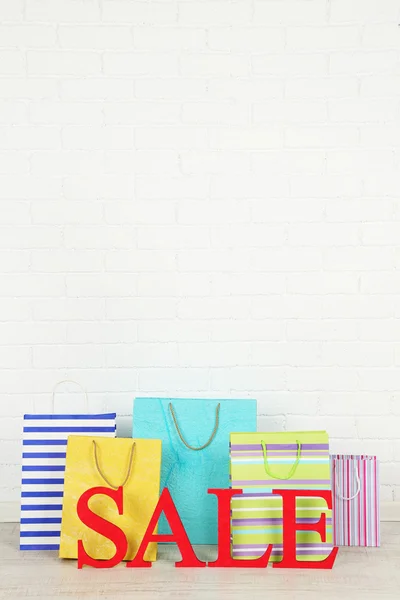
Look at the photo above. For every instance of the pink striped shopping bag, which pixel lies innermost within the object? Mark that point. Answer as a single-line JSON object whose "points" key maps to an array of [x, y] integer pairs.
{"points": [[355, 492]]}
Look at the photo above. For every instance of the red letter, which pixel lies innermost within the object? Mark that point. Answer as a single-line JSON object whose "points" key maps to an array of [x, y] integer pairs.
{"points": [[290, 527], [100, 525], [179, 536], [224, 535]]}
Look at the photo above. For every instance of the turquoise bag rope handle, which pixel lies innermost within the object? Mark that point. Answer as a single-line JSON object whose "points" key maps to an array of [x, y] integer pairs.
{"points": [[177, 456], [212, 436], [292, 470]]}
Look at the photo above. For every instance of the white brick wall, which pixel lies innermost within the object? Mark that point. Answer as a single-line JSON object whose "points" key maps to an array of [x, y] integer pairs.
{"points": [[202, 198]]}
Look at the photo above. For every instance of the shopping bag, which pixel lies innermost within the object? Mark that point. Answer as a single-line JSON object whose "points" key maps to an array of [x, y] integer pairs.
{"points": [[97, 462], [195, 437], [355, 485], [43, 466], [261, 462]]}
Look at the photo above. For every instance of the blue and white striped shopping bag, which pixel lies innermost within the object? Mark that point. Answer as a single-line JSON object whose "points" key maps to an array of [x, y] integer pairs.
{"points": [[43, 466]]}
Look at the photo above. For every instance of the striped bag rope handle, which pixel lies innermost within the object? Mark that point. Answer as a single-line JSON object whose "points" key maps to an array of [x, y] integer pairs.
{"points": [[292, 470], [212, 436], [96, 460], [357, 478], [69, 381]]}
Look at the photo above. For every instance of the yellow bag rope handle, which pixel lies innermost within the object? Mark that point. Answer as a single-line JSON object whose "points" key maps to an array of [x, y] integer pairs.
{"points": [[96, 460]]}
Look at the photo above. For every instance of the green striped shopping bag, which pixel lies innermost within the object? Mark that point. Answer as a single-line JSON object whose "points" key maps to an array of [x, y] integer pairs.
{"points": [[261, 462]]}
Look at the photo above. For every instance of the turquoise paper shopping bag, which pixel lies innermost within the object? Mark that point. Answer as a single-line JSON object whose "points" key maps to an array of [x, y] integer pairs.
{"points": [[195, 442]]}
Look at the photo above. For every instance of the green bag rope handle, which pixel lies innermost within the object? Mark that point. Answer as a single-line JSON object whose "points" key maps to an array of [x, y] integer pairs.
{"points": [[292, 470], [212, 436]]}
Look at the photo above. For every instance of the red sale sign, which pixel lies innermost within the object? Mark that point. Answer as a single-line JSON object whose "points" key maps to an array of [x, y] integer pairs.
{"points": [[179, 536]]}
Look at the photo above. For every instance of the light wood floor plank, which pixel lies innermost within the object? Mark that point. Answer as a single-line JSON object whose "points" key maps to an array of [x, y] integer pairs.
{"points": [[359, 573]]}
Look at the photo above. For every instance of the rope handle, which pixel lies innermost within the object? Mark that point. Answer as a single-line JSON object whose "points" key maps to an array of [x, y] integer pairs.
{"points": [[292, 470], [96, 460], [68, 381], [357, 478], [212, 436]]}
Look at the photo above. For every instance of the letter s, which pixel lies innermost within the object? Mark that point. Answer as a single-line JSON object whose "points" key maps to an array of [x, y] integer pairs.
{"points": [[103, 527]]}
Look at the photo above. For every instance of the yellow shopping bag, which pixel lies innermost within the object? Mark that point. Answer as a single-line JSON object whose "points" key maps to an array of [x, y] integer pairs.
{"points": [[93, 462]]}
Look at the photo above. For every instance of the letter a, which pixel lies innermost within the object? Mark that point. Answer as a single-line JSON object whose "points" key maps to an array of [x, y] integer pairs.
{"points": [[179, 536]]}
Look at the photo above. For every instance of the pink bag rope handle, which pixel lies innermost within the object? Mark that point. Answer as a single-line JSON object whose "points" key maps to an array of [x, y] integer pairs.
{"points": [[357, 477]]}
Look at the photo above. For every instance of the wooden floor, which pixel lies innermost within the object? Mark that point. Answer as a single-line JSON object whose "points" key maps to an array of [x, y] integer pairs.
{"points": [[359, 573]]}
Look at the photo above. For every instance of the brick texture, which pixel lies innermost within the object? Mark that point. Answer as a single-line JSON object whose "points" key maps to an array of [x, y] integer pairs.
{"points": [[203, 198]]}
